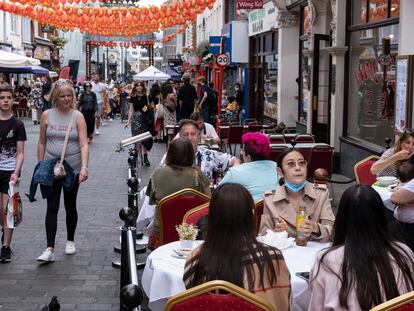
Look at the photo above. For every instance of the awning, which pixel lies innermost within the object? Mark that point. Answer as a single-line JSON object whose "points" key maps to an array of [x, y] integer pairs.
{"points": [[151, 73], [12, 60], [26, 69]]}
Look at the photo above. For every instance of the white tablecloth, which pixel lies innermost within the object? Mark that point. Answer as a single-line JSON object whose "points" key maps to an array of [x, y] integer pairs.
{"points": [[163, 274], [146, 212], [385, 195]]}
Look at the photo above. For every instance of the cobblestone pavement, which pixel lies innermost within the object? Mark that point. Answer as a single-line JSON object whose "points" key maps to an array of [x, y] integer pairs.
{"points": [[85, 280]]}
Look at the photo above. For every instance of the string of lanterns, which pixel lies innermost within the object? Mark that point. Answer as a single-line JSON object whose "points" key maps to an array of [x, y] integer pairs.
{"points": [[126, 44], [108, 21]]}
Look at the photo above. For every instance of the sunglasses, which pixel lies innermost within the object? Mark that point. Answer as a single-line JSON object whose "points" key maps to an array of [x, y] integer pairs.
{"points": [[300, 163]]}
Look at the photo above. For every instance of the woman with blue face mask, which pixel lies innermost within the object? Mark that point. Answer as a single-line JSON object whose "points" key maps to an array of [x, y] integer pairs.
{"points": [[282, 204]]}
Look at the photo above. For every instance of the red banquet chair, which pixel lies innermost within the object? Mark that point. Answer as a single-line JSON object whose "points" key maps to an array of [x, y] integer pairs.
{"points": [[304, 139], [172, 209], [322, 157], [258, 212], [277, 139], [400, 303], [254, 127], [235, 137], [195, 214], [22, 107], [275, 151], [218, 296], [362, 171]]}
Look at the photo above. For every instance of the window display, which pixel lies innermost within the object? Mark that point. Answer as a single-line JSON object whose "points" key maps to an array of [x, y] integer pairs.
{"points": [[270, 86]]}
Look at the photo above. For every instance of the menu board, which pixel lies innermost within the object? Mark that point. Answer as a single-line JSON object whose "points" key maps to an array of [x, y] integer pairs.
{"points": [[401, 94]]}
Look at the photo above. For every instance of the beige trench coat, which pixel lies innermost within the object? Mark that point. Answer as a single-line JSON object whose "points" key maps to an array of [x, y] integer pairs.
{"points": [[315, 200]]}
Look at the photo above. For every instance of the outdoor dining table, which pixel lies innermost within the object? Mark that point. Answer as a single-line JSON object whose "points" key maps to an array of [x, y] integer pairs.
{"points": [[163, 273], [385, 194]]}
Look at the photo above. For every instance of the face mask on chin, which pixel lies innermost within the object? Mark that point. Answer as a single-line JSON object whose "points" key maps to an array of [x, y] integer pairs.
{"points": [[294, 187]]}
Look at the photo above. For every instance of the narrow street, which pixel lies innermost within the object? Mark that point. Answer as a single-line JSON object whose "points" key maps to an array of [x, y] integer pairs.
{"points": [[86, 280]]}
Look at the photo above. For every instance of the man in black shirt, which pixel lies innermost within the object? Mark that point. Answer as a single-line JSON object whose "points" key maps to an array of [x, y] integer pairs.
{"points": [[187, 96]]}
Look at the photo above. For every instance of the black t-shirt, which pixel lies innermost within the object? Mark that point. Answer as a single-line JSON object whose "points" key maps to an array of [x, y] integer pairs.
{"points": [[139, 102], [8, 146], [187, 95]]}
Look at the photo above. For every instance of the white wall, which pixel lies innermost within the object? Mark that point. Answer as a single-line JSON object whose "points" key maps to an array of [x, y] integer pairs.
{"points": [[406, 42], [214, 22]]}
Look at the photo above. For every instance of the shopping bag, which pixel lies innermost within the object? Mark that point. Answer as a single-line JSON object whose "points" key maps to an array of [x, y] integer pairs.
{"points": [[14, 207]]}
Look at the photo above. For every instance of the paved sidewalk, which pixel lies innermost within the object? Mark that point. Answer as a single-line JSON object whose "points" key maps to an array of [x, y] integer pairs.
{"points": [[86, 280]]}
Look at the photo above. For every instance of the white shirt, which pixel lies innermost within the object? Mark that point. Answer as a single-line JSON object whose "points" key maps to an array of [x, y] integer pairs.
{"points": [[405, 212], [110, 88], [98, 88]]}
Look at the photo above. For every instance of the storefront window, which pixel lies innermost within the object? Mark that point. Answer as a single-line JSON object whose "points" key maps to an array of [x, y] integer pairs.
{"points": [[304, 84], [372, 83], [270, 86], [365, 11]]}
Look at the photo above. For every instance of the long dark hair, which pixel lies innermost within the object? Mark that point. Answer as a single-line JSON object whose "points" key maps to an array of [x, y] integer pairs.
{"points": [[230, 247], [180, 154], [369, 250]]}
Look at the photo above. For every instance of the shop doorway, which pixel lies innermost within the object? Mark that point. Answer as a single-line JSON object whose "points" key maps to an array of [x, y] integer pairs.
{"points": [[256, 108], [321, 104]]}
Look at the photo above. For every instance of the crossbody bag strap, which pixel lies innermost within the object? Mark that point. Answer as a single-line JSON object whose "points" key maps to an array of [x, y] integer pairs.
{"points": [[65, 144]]}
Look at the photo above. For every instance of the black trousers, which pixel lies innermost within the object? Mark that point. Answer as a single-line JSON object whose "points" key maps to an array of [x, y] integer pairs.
{"points": [[69, 198], [89, 116]]}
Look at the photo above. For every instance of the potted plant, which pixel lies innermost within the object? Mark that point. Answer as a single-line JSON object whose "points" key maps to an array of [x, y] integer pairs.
{"points": [[187, 233]]}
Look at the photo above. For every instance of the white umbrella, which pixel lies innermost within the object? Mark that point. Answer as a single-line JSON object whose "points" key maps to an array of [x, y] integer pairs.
{"points": [[151, 73], [12, 60]]}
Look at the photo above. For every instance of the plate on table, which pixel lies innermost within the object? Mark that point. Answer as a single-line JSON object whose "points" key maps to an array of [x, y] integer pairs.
{"points": [[393, 187], [181, 253], [385, 181]]}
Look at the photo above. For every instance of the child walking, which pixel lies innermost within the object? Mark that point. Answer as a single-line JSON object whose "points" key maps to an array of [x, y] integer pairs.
{"points": [[12, 138]]}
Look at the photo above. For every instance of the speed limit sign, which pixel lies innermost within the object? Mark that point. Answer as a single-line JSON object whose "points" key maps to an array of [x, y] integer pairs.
{"points": [[223, 60]]}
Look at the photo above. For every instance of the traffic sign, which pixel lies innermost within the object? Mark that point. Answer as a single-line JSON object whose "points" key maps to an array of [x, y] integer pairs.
{"points": [[222, 60]]}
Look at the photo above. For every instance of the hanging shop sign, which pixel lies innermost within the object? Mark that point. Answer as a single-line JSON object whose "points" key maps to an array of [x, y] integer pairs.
{"points": [[263, 20], [249, 4], [42, 52], [88, 60]]}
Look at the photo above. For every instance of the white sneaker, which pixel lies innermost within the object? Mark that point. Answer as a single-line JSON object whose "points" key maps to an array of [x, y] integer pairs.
{"points": [[70, 248], [97, 132], [47, 256], [110, 119]]}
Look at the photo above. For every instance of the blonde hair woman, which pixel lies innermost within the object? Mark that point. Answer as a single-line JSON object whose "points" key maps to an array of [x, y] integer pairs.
{"points": [[53, 126]]}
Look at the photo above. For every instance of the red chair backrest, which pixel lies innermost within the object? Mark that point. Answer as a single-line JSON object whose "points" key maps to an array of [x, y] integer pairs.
{"points": [[172, 210], [254, 127], [322, 157], [224, 133], [362, 171], [304, 139], [215, 302], [22, 103], [235, 134], [307, 154], [258, 212], [194, 215], [277, 139], [274, 152], [409, 307]]}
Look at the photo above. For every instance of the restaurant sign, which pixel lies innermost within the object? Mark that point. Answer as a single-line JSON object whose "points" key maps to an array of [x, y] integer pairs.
{"points": [[249, 4], [263, 20]]}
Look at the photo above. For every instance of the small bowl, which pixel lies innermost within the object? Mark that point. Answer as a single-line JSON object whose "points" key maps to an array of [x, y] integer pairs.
{"points": [[386, 180]]}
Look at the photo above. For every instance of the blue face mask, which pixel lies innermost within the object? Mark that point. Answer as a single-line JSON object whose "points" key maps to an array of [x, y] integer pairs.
{"points": [[294, 187]]}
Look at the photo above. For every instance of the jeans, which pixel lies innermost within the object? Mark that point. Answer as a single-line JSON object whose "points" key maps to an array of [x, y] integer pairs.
{"points": [[111, 104], [69, 197]]}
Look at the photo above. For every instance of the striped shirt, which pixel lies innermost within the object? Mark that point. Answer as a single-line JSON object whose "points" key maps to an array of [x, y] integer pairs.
{"points": [[390, 170]]}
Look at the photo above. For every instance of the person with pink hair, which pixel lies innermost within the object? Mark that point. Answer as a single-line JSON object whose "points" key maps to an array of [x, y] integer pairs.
{"points": [[257, 174]]}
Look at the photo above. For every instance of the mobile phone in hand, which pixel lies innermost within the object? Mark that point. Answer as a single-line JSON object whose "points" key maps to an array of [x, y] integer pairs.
{"points": [[303, 275]]}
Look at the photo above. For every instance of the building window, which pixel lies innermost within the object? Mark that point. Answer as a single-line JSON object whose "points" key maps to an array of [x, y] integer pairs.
{"points": [[372, 73], [375, 10], [13, 23], [26, 30]]}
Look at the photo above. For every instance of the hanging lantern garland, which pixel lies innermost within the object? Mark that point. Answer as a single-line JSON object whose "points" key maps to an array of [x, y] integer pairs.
{"points": [[108, 21]]}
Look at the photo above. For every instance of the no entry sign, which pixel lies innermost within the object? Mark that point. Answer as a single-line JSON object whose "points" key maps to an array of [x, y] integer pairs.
{"points": [[249, 4]]}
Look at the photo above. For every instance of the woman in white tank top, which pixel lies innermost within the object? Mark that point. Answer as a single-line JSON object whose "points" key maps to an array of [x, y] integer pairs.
{"points": [[53, 125]]}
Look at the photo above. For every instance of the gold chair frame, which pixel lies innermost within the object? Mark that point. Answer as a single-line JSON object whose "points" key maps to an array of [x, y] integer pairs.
{"points": [[362, 161], [195, 210], [395, 302], [217, 285], [183, 192]]}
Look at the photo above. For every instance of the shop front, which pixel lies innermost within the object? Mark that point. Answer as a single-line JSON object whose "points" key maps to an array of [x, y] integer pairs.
{"points": [[42, 52], [371, 80], [263, 64]]}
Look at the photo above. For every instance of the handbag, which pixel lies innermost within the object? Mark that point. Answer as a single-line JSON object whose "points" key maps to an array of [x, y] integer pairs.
{"points": [[59, 170], [14, 207], [170, 105], [159, 114]]}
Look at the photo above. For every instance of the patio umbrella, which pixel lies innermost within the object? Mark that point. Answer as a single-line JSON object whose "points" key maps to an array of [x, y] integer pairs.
{"points": [[25, 69], [12, 60], [151, 73]]}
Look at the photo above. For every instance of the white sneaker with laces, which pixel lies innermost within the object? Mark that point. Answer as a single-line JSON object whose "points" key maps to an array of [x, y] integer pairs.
{"points": [[70, 248], [47, 256], [97, 132]]}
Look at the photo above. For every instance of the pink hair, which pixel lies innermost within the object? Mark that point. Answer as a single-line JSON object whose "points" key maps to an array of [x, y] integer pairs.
{"points": [[258, 142]]}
